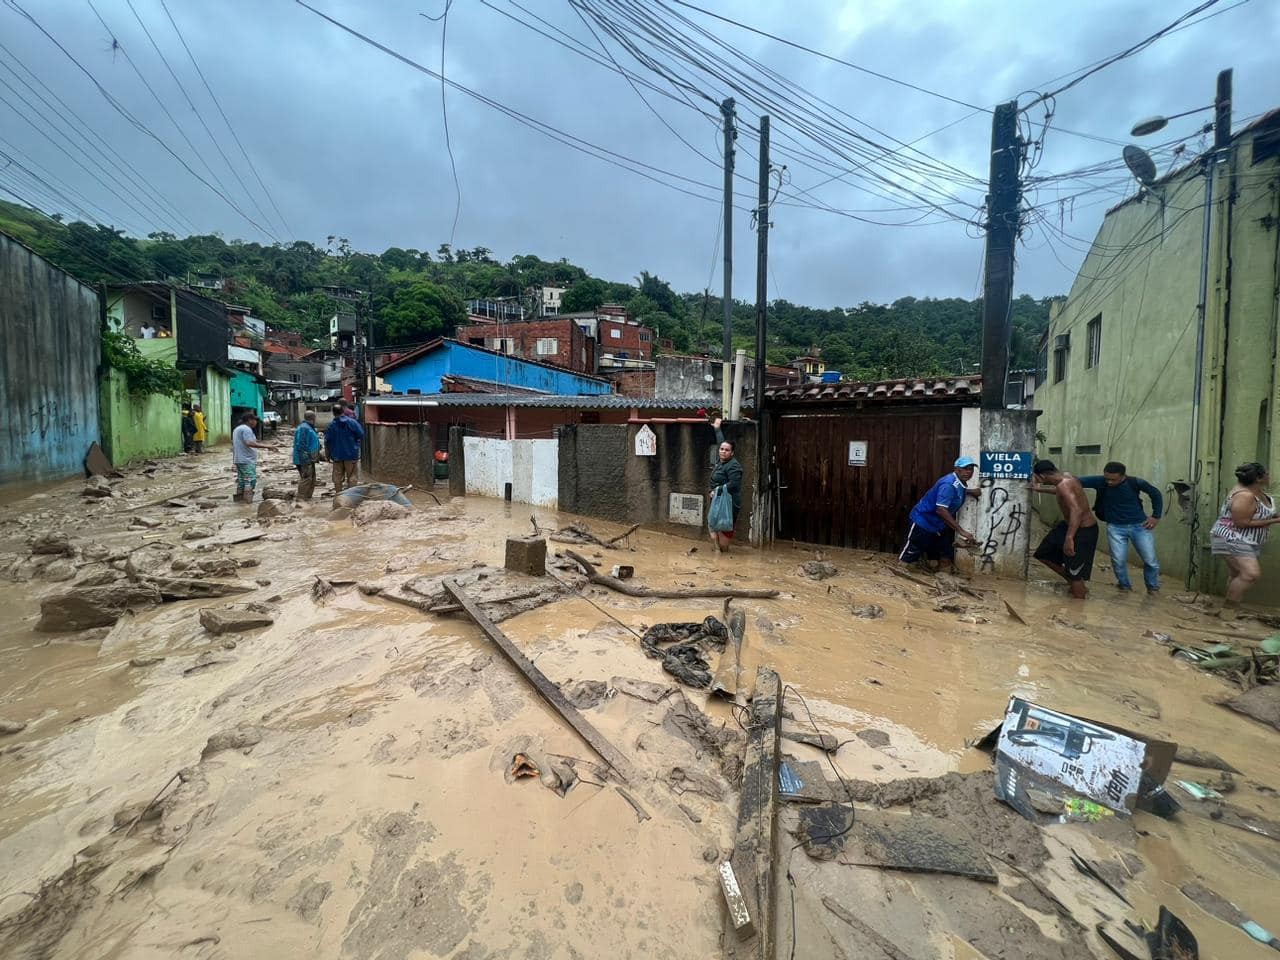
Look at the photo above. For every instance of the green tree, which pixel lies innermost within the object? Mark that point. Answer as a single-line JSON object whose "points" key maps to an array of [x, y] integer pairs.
{"points": [[584, 295], [419, 309]]}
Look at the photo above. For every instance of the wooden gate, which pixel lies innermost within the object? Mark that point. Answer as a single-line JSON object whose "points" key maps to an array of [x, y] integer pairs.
{"points": [[825, 500]]}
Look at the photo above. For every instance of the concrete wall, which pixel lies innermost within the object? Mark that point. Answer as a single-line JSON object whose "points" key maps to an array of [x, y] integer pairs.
{"points": [[49, 354], [685, 378], [400, 453], [530, 466], [601, 475], [137, 429], [1003, 525], [1135, 405], [216, 402]]}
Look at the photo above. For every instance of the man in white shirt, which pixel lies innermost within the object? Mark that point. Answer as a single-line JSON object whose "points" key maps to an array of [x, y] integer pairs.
{"points": [[244, 454], [148, 331]]}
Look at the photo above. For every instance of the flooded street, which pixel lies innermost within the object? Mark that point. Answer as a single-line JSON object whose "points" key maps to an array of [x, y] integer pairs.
{"points": [[332, 784]]}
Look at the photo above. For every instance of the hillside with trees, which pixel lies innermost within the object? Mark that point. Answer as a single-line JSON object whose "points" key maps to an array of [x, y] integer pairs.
{"points": [[416, 294]]}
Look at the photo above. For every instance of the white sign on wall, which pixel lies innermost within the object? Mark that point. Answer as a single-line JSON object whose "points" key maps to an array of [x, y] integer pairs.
{"points": [[646, 442], [857, 453], [685, 508]]}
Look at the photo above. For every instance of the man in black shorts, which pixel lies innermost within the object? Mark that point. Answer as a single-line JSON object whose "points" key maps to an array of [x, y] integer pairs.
{"points": [[1068, 548]]}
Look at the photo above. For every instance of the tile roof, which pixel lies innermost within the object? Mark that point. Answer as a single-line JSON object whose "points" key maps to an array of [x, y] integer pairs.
{"points": [[603, 401], [926, 389]]}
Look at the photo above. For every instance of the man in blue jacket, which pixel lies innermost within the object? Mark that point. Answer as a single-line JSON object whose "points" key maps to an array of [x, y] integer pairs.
{"points": [[342, 443], [1119, 506], [934, 526], [306, 451]]}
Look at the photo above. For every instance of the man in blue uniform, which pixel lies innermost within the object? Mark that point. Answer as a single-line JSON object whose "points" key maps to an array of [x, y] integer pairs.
{"points": [[934, 527]]}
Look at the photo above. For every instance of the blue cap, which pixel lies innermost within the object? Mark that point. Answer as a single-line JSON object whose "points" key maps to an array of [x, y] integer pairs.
{"points": [[965, 462]]}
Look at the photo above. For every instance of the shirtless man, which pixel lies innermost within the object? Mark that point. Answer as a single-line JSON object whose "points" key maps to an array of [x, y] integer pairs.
{"points": [[1068, 548]]}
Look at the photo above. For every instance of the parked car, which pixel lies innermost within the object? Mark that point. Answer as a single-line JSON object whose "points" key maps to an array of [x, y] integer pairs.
{"points": [[271, 420]]}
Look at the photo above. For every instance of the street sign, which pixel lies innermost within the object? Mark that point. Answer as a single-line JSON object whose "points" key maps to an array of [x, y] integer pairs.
{"points": [[857, 453], [1006, 464]]}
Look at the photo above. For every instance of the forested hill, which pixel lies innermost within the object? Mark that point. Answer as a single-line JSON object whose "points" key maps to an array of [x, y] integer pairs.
{"points": [[416, 295]]}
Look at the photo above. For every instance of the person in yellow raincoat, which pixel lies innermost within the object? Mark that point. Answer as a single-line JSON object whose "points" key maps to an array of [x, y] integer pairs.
{"points": [[201, 433]]}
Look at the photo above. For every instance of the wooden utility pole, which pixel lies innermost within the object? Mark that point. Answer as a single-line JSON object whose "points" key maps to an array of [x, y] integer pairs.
{"points": [[1003, 201], [730, 134]]}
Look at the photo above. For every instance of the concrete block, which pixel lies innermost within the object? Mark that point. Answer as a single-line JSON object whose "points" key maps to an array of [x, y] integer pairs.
{"points": [[527, 555]]}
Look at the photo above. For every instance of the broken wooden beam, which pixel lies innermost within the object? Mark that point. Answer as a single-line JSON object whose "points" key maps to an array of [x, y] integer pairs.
{"points": [[729, 671], [631, 590], [823, 741], [549, 690], [754, 845]]}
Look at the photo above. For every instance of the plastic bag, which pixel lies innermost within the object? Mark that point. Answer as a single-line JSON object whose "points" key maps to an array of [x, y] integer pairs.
{"points": [[720, 516]]}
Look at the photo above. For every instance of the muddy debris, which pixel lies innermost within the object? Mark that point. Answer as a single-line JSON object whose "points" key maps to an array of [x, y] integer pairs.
{"points": [[585, 694], [273, 509], [1260, 703], [58, 571], [242, 737], [1202, 758], [197, 533], [8, 727], [690, 724], [236, 618], [309, 898], [97, 487], [144, 523], [818, 569], [642, 689], [277, 493], [868, 611], [101, 606], [52, 544], [873, 737], [378, 510], [145, 661]]}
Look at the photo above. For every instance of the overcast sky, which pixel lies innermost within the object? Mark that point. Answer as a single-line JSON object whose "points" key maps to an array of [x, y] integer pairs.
{"points": [[351, 142]]}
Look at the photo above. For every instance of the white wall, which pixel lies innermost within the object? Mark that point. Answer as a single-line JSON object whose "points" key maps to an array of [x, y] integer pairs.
{"points": [[532, 468]]}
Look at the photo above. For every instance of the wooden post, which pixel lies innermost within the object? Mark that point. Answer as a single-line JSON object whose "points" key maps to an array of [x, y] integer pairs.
{"points": [[549, 690], [753, 849]]}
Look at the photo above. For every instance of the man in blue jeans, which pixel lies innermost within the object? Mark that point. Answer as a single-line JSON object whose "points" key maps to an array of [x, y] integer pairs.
{"points": [[1119, 506]]}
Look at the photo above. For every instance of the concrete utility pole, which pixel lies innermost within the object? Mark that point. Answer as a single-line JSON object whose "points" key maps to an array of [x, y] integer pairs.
{"points": [[762, 265], [1003, 201], [373, 360], [730, 134]]}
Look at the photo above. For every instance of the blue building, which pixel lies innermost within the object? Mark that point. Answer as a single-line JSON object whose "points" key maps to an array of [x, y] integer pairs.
{"points": [[423, 369]]}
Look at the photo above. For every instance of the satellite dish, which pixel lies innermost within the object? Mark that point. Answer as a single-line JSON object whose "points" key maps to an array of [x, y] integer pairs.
{"points": [[1149, 125], [1140, 164]]}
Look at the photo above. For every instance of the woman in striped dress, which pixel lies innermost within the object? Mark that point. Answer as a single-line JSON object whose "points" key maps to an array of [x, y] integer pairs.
{"points": [[1247, 514]]}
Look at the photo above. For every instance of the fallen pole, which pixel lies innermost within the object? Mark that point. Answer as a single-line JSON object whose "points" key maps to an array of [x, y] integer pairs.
{"points": [[549, 690], [631, 590], [729, 671], [753, 848]]}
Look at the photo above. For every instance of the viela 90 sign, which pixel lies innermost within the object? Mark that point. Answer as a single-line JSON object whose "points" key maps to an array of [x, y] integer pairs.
{"points": [[1006, 464]]}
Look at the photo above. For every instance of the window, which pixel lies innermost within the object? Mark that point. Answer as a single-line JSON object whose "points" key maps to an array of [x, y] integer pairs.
{"points": [[1089, 449], [505, 345], [160, 313], [1059, 365], [1055, 450], [1095, 342], [615, 333], [548, 346], [644, 336]]}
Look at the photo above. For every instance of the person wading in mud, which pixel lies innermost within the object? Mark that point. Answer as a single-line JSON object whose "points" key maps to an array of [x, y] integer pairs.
{"points": [[1118, 504], [934, 527], [244, 454], [727, 473], [306, 451], [1247, 515], [342, 444], [1068, 548]]}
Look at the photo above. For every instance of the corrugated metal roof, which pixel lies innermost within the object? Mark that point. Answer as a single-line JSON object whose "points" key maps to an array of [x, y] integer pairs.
{"points": [[928, 389], [441, 341], [604, 401]]}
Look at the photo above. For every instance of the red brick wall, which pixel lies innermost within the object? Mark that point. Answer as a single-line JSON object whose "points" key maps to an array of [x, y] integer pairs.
{"points": [[634, 383], [574, 348], [635, 341]]}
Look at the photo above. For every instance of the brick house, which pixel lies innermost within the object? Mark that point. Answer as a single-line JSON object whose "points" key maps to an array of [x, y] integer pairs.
{"points": [[560, 342], [623, 339]]}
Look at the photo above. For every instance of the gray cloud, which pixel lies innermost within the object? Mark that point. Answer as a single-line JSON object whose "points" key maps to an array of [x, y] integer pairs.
{"points": [[351, 142]]}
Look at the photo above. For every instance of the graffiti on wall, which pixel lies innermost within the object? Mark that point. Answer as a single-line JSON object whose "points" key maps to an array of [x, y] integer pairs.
{"points": [[1005, 517]]}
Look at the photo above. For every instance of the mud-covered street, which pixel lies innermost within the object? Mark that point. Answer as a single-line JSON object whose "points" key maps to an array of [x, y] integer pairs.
{"points": [[337, 781]]}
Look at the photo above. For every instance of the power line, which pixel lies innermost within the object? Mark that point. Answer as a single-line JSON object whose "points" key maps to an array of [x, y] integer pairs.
{"points": [[444, 113], [194, 109], [109, 153], [225, 119], [134, 121]]}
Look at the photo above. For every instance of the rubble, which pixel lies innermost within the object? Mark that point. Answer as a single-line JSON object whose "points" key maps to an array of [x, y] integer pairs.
{"points": [[53, 544], [236, 618], [97, 606], [373, 511]]}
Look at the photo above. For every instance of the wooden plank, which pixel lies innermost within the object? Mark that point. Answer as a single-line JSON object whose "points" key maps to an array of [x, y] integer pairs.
{"points": [[753, 848], [729, 671], [549, 690]]}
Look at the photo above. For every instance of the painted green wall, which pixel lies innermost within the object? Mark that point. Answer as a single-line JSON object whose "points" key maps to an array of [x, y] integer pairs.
{"points": [[1141, 277], [246, 391], [133, 429], [217, 406]]}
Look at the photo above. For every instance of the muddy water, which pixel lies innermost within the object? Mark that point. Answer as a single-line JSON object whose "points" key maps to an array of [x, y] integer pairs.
{"points": [[373, 818]]}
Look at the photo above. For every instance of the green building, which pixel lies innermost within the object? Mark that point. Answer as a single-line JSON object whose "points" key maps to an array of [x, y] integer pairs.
{"points": [[1122, 369]]}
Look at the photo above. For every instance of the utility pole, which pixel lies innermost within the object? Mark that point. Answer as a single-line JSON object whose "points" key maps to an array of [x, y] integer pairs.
{"points": [[1003, 201], [762, 267], [730, 134], [373, 360], [1221, 143]]}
